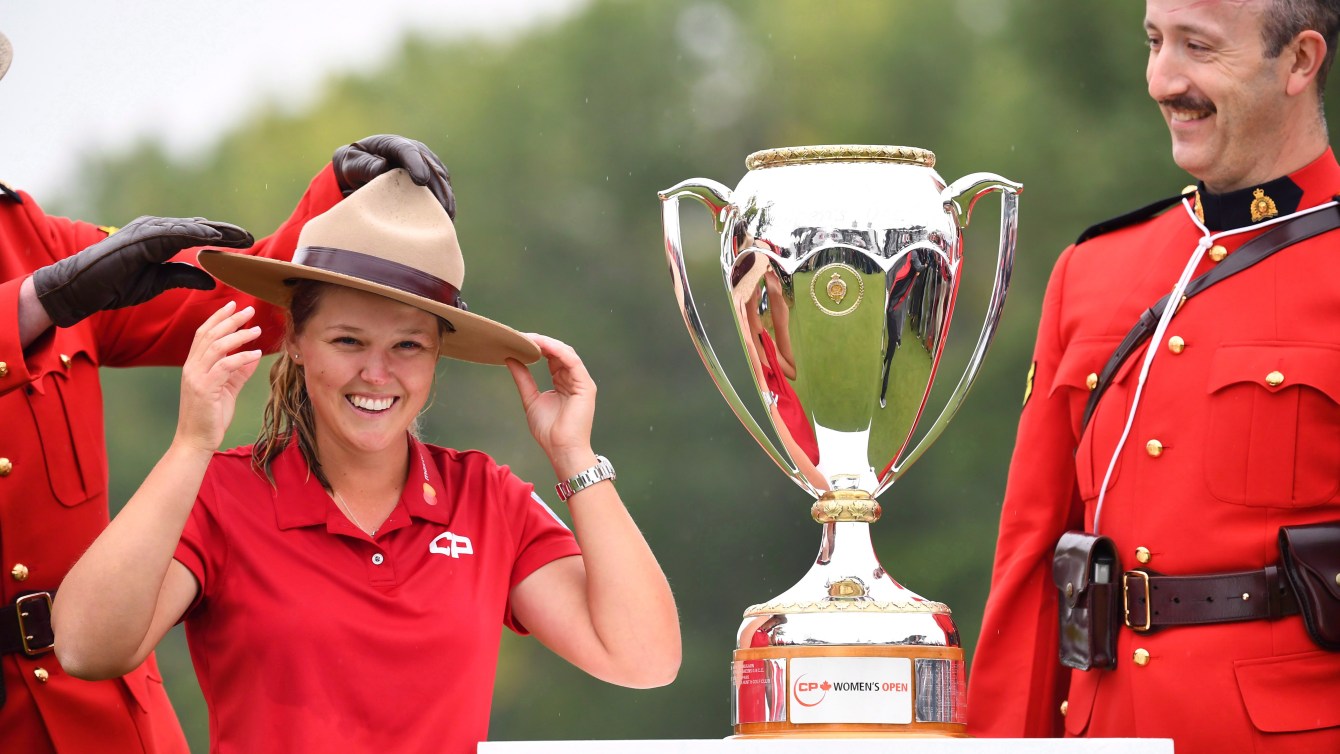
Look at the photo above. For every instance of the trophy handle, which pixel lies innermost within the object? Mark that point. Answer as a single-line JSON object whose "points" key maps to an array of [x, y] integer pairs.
{"points": [[716, 198], [975, 186]]}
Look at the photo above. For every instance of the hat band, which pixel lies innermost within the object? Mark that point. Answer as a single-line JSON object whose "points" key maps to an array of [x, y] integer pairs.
{"points": [[377, 270]]}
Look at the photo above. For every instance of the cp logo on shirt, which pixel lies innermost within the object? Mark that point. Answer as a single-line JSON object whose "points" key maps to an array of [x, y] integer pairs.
{"points": [[454, 545]]}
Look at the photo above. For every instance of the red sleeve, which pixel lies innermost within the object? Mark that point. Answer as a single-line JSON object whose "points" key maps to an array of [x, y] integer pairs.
{"points": [[159, 332], [30, 239], [15, 372], [540, 536], [1017, 681], [203, 548]]}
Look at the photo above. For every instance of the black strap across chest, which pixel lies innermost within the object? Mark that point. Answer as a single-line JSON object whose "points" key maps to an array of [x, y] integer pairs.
{"points": [[1282, 235]]}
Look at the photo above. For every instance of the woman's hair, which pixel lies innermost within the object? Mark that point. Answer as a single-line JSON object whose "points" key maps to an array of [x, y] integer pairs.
{"points": [[288, 412]]}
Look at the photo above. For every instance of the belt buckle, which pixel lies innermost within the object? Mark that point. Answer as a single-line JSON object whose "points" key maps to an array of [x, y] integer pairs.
{"points": [[24, 606], [1126, 599]]}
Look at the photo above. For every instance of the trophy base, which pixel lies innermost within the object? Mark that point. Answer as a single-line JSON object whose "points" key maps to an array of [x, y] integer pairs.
{"points": [[838, 730], [856, 691], [848, 651]]}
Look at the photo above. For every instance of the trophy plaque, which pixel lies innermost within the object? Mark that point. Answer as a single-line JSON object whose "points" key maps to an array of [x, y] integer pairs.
{"points": [[841, 266]]}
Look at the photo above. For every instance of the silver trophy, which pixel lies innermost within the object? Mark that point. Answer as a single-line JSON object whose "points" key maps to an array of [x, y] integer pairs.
{"points": [[841, 264]]}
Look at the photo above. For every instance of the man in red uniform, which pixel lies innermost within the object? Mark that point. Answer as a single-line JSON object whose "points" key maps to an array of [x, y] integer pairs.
{"points": [[106, 310], [1221, 429]]}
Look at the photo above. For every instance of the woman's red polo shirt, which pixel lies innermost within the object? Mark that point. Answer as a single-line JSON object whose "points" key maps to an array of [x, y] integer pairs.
{"points": [[309, 635]]}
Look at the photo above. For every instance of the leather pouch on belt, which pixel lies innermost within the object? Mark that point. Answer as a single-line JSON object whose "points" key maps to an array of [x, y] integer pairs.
{"points": [[1311, 558], [1085, 571]]}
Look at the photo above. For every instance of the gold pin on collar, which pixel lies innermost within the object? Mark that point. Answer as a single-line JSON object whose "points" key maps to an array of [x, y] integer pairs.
{"points": [[1263, 207]]}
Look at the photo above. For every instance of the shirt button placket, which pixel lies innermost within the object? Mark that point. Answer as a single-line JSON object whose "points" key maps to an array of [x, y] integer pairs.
{"points": [[380, 568]]}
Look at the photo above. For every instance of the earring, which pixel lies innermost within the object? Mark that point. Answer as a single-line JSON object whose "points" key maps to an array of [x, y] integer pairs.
{"points": [[295, 357]]}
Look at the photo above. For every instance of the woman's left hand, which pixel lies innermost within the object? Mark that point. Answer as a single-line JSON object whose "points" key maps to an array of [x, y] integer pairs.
{"points": [[213, 374], [560, 418]]}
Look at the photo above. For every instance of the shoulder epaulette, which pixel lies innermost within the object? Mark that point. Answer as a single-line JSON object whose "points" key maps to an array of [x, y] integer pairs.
{"points": [[11, 193], [1130, 218]]}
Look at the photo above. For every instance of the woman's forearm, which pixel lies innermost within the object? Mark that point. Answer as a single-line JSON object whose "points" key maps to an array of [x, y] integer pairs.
{"points": [[631, 607], [106, 606]]}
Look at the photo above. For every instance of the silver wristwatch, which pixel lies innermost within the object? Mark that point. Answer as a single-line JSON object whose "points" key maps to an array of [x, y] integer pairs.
{"points": [[600, 472]]}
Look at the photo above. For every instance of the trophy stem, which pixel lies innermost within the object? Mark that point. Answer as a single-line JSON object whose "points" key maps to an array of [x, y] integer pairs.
{"points": [[848, 649]]}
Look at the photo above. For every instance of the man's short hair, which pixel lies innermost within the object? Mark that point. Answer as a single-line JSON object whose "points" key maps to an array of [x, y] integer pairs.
{"points": [[1286, 19]]}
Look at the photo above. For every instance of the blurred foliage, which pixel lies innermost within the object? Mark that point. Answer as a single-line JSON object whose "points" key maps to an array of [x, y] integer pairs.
{"points": [[558, 140]]}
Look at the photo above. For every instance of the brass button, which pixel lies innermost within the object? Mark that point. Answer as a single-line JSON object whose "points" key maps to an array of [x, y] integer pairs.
{"points": [[1065, 707], [1091, 380], [42, 675], [65, 359], [1337, 578], [1176, 344], [1141, 657], [6, 466], [1217, 253], [19, 572], [1154, 448], [1274, 379], [1143, 555], [4, 369], [1070, 589]]}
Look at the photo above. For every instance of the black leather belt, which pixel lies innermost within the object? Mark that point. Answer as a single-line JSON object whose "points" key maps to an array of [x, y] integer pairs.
{"points": [[1151, 600], [25, 627]]}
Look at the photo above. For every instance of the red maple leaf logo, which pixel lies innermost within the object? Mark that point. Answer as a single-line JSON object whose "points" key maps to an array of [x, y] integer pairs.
{"points": [[825, 685]]}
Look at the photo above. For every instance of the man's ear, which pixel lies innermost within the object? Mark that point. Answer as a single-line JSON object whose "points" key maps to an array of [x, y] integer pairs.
{"points": [[1308, 50]]}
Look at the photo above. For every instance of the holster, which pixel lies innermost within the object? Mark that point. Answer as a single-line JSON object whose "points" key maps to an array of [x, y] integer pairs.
{"points": [[1310, 556], [1086, 570]]}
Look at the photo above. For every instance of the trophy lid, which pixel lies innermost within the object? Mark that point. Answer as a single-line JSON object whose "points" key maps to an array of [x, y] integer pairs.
{"points": [[769, 158]]}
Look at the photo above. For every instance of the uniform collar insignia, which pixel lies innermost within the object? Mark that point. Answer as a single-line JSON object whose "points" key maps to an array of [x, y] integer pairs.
{"points": [[1263, 207], [1238, 209]]}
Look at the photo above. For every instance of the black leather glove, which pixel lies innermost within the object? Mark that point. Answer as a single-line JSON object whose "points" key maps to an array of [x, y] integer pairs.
{"points": [[360, 162], [130, 266]]}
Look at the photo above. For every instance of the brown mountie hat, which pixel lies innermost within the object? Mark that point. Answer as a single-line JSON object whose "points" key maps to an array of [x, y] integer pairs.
{"points": [[391, 238]]}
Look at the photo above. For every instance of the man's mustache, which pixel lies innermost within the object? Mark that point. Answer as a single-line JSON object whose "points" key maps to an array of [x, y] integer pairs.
{"points": [[1189, 103]]}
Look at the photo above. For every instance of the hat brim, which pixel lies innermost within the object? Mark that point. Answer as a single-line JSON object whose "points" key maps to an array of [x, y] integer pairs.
{"points": [[474, 338]]}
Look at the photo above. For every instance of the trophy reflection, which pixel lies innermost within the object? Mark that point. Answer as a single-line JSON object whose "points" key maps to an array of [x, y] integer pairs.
{"points": [[842, 267]]}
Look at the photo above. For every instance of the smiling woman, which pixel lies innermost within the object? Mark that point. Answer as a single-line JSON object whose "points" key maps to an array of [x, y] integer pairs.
{"points": [[358, 371], [342, 582]]}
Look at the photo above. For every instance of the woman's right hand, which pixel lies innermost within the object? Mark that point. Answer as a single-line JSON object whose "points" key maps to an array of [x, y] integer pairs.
{"points": [[213, 376]]}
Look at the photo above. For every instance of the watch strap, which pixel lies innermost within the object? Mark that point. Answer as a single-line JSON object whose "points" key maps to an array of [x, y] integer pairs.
{"points": [[602, 471]]}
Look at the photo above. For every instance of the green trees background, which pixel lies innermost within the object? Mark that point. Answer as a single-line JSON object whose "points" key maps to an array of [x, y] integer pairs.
{"points": [[558, 140]]}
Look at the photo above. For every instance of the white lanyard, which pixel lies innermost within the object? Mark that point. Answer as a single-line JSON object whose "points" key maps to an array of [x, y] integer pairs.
{"points": [[1207, 240]]}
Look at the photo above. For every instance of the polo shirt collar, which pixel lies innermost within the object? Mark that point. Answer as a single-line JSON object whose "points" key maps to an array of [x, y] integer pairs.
{"points": [[425, 494], [300, 500]]}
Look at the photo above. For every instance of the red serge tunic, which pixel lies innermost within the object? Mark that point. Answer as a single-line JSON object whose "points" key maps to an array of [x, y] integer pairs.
{"points": [[53, 469], [1239, 455], [310, 635]]}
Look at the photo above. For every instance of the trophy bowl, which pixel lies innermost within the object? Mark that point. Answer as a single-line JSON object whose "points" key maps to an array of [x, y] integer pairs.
{"points": [[841, 265]]}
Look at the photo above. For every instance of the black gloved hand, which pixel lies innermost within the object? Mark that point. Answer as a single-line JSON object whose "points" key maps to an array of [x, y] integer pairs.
{"points": [[130, 266], [360, 162]]}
